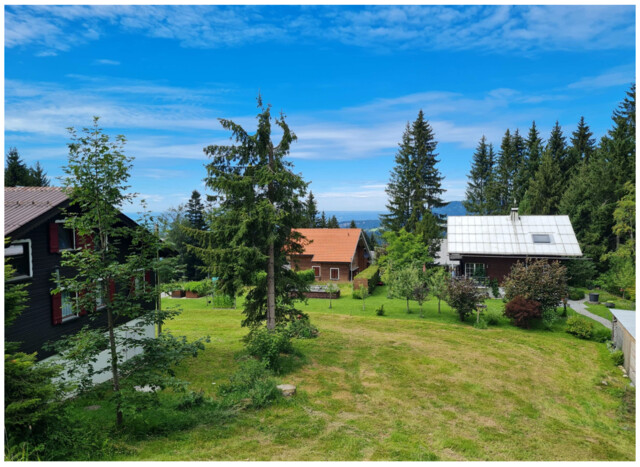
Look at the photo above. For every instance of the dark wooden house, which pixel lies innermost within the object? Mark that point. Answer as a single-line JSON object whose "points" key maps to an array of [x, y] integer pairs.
{"points": [[488, 246], [333, 254], [34, 222]]}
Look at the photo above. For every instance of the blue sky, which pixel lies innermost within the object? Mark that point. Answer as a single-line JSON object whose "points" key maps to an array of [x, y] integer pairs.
{"points": [[348, 79]]}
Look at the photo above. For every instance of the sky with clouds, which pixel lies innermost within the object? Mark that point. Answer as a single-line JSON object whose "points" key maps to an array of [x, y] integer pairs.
{"points": [[347, 78]]}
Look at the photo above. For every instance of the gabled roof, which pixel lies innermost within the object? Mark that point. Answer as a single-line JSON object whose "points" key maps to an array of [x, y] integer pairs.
{"points": [[500, 235], [331, 245], [25, 203]]}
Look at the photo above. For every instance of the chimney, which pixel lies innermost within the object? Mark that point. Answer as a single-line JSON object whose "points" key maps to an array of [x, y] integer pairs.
{"points": [[514, 215]]}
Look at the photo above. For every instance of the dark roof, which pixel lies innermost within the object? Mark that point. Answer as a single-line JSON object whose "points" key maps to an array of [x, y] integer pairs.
{"points": [[23, 204]]}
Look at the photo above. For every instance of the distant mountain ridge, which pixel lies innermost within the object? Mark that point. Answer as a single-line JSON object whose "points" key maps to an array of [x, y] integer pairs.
{"points": [[371, 219]]}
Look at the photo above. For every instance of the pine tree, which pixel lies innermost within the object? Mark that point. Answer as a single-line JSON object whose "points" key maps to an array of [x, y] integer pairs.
{"points": [[546, 188], [415, 185], [333, 223], [557, 149], [582, 144], [322, 223], [353, 224], [16, 172], [399, 187], [252, 234], [38, 176], [505, 171], [310, 211], [478, 199]]}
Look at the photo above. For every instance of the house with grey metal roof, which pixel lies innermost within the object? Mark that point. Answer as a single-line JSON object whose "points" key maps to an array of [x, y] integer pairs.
{"points": [[490, 245]]}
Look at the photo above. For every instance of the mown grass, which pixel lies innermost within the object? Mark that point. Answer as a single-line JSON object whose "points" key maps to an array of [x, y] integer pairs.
{"points": [[400, 387]]}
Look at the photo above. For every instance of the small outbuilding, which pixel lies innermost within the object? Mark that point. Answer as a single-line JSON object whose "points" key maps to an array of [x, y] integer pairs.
{"points": [[624, 337]]}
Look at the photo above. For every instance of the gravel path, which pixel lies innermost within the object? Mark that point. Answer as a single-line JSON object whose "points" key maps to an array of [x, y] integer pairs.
{"points": [[579, 307]]}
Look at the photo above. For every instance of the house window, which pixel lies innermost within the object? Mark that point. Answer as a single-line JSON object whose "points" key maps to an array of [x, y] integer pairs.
{"points": [[100, 299], [541, 238], [316, 270], [19, 254], [334, 274], [474, 270], [66, 300], [66, 237]]}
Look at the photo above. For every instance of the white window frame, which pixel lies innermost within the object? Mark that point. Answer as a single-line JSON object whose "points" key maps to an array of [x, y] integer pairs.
{"points": [[475, 266], [73, 237], [63, 291], [100, 297], [17, 278], [330, 274], [319, 274]]}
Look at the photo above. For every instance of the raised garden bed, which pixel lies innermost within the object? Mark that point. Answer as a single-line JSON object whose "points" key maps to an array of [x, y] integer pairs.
{"points": [[177, 293], [319, 291], [190, 294]]}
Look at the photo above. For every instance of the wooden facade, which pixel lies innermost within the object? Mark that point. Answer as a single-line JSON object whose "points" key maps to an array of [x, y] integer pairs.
{"points": [[41, 321]]}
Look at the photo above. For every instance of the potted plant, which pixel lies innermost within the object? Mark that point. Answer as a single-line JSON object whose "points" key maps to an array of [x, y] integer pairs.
{"points": [[175, 289]]}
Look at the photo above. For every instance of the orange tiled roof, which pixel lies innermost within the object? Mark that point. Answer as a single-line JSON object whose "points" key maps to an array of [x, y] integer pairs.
{"points": [[331, 245]]}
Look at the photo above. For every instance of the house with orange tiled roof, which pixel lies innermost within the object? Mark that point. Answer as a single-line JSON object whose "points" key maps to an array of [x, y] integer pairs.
{"points": [[333, 254]]}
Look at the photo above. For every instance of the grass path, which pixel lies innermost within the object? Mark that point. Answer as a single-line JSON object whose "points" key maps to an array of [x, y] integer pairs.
{"points": [[403, 388]]}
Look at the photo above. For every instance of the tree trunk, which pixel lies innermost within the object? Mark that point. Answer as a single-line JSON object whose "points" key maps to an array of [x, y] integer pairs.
{"points": [[114, 364], [438, 306], [407, 305], [271, 290]]}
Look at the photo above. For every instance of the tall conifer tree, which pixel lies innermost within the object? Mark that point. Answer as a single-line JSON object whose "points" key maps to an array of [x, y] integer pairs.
{"points": [[582, 144], [310, 211], [546, 188], [478, 197]]}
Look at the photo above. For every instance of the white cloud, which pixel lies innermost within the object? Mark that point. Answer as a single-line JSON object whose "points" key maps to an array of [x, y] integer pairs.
{"points": [[486, 28], [615, 77], [106, 61]]}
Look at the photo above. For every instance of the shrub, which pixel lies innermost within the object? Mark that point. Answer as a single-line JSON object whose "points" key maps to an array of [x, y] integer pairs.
{"points": [[307, 276], [202, 288], [579, 327], [548, 318], [251, 381], [601, 334], [492, 316], [495, 288], [576, 294], [617, 357], [302, 328], [222, 301], [521, 311], [463, 296], [372, 274], [268, 345], [539, 280], [380, 311], [480, 324], [357, 295]]}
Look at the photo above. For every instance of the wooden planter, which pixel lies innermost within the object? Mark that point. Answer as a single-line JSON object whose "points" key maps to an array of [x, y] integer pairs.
{"points": [[177, 294], [190, 294]]}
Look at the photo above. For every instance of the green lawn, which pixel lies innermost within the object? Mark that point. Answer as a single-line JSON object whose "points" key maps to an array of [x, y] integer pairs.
{"points": [[399, 387]]}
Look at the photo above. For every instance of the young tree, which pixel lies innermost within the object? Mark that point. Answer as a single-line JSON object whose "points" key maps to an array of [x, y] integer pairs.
{"points": [[478, 200], [421, 291], [331, 289], [97, 173], [438, 283], [539, 280], [463, 296], [404, 282], [403, 249], [260, 203]]}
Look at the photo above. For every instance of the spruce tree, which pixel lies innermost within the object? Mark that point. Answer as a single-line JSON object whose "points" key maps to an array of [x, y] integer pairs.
{"points": [[195, 211], [415, 185], [505, 172], [195, 216], [322, 223], [557, 149], [353, 224], [38, 176], [430, 230], [16, 172], [478, 199], [546, 188], [582, 144], [252, 234], [310, 211], [333, 223]]}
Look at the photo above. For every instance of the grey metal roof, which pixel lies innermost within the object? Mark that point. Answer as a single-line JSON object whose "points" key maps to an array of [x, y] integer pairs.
{"points": [[442, 256], [627, 318], [24, 204], [499, 235]]}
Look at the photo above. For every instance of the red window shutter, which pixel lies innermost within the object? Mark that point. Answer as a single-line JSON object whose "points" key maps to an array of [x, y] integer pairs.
{"points": [[56, 308], [53, 238], [132, 290], [147, 277], [112, 289]]}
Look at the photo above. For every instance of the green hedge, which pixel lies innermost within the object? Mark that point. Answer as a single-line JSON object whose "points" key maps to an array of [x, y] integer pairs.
{"points": [[372, 274], [308, 276]]}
